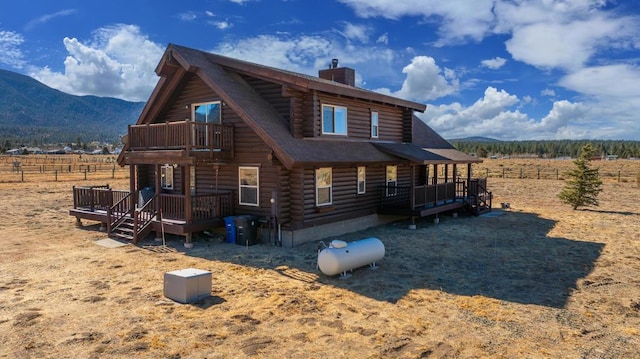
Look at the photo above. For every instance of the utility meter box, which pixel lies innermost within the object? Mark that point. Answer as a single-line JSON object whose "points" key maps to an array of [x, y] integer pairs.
{"points": [[187, 285]]}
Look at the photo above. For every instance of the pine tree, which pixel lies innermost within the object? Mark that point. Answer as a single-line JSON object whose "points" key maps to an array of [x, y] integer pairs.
{"points": [[584, 184]]}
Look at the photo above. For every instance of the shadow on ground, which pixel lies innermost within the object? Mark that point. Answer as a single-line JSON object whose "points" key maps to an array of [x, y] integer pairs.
{"points": [[506, 256]]}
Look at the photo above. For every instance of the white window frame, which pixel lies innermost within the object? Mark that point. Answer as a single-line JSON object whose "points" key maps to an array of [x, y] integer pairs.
{"points": [[362, 180], [392, 183], [166, 177], [242, 186], [333, 120], [375, 124], [324, 186]]}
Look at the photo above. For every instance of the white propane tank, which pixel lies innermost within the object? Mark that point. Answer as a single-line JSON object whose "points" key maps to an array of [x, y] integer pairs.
{"points": [[341, 258]]}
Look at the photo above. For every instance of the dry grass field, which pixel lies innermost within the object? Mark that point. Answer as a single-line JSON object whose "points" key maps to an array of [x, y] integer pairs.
{"points": [[538, 280]]}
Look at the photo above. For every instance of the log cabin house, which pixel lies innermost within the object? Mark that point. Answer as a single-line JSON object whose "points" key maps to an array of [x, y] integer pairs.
{"points": [[310, 157]]}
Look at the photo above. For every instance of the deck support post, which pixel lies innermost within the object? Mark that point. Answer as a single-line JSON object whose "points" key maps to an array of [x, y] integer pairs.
{"points": [[103, 227], [78, 222], [412, 224], [188, 243]]}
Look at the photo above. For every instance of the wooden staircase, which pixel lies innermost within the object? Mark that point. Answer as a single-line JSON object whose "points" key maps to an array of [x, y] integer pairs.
{"points": [[130, 225], [125, 230], [479, 200]]}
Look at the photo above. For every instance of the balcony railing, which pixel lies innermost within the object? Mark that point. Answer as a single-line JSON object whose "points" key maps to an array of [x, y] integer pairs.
{"points": [[181, 135]]}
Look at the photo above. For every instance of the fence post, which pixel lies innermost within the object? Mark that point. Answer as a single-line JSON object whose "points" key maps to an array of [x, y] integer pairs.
{"points": [[557, 174], [113, 172], [618, 176], [538, 172], [85, 174], [502, 172], [56, 172], [521, 173], [487, 172], [22, 176]]}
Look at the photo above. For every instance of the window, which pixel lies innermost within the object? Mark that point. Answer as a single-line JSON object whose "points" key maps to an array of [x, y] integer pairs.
{"points": [[323, 186], [249, 181], [374, 124], [166, 177], [334, 120], [209, 112], [362, 175], [392, 180]]}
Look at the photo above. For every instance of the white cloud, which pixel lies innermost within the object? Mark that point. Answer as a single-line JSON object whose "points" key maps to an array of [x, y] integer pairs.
{"points": [[617, 81], [10, 52], [356, 32], [221, 25], [187, 16], [119, 62], [425, 80], [548, 92], [308, 54], [495, 63], [494, 116], [459, 19], [46, 18], [383, 39]]}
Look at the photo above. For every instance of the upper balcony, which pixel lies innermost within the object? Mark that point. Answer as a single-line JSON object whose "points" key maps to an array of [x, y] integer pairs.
{"points": [[193, 139]]}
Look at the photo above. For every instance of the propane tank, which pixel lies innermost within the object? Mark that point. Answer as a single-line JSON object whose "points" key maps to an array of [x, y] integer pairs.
{"points": [[341, 256]]}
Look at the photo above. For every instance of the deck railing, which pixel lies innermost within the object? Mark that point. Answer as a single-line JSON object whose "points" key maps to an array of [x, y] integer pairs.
{"points": [[95, 198], [432, 195], [204, 206], [186, 135]]}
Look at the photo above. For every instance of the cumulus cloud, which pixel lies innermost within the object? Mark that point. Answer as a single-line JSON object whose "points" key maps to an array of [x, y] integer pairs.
{"points": [[618, 80], [383, 39], [425, 80], [118, 62], [221, 25], [495, 115], [10, 52], [494, 63], [548, 92]]}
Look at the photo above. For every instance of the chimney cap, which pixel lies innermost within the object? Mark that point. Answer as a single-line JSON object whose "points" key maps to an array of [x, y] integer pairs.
{"points": [[334, 63]]}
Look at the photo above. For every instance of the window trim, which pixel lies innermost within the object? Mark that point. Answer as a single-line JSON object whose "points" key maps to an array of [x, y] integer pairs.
{"points": [[166, 177], [375, 125], [363, 181], [330, 186], [242, 186], [333, 119]]}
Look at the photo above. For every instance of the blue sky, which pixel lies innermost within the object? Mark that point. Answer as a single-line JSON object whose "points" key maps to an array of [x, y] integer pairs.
{"points": [[507, 69]]}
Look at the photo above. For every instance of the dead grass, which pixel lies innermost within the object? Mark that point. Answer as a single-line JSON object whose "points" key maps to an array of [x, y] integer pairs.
{"points": [[537, 281]]}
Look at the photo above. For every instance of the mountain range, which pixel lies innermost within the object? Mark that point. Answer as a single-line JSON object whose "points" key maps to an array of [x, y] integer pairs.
{"points": [[31, 112]]}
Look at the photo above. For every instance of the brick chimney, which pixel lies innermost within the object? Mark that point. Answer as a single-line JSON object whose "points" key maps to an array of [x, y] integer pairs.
{"points": [[343, 75]]}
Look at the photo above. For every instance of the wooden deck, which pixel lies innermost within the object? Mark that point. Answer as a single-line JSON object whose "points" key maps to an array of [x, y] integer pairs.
{"points": [[168, 213], [427, 200]]}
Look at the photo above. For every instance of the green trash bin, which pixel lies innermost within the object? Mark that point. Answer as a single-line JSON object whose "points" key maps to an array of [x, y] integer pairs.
{"points": [[246, 230]]}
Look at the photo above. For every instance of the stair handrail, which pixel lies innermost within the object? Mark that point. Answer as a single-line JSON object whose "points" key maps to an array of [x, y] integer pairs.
{"points": [[117, 212], [143, 217]]}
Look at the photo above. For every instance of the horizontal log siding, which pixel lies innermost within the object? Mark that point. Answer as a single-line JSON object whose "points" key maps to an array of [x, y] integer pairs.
{"points": [[146, 176], [346, 202], [390, 119], [194, 90]]}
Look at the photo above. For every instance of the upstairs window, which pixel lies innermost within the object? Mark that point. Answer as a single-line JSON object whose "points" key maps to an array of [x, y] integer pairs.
{"points": [[209, 112], [334, 120], [249, 185], [166, 177], [374, 124], [362, 177], [323, 186]]}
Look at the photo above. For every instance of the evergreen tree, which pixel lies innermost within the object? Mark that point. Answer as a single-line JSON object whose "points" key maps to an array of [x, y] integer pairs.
{"points": [[584, 184]]}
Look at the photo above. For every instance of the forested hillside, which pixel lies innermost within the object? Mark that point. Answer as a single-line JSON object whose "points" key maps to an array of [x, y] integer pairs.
{"points": [[33, 113], [547, 149]]}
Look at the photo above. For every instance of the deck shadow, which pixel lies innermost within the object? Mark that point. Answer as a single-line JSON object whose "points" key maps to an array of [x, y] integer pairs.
{"points": [[508, 257]]}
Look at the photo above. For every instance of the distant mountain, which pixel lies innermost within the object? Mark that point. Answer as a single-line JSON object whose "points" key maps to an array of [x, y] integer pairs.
{"points": [[31, 111], [475, 139]]}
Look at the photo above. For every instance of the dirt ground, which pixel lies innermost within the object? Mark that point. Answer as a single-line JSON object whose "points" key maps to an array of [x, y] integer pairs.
{"points": [[537, 280]]}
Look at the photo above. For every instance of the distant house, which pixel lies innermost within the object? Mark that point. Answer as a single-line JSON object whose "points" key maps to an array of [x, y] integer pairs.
{"points": [[310, 157]]}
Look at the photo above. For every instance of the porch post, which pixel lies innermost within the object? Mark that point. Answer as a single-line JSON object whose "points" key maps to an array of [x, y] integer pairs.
{"points": [[446, 173], [412, 191], [158, 185], [186, 189], [132, 188]]}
